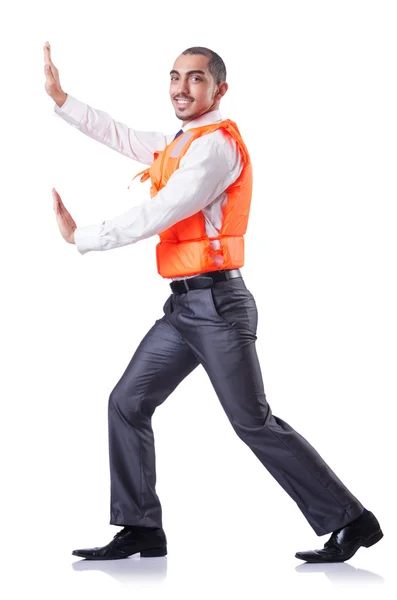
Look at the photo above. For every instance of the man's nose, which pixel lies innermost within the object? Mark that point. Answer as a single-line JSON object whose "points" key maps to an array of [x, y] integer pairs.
{"points": [[183, 87]]}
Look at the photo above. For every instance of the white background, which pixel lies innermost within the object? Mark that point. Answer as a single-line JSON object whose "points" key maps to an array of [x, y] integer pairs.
{"points": [[313, 91]]}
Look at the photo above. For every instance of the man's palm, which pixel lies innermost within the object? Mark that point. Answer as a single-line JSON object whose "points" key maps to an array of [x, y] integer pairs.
{"points": [[65, 221], [52, 83]]}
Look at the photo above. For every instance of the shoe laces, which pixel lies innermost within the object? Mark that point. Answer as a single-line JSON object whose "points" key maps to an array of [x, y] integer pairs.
{"points": [[121, 532], [332, 540]]}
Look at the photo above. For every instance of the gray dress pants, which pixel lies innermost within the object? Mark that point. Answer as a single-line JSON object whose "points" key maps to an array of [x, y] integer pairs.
{"points": [[214, 327]]}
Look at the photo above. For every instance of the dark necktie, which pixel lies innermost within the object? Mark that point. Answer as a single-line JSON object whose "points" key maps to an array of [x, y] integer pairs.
{"points": [[178, 134]]}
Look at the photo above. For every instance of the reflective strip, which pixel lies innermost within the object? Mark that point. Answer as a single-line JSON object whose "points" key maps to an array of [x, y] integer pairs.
{"points": [[185, 137]]}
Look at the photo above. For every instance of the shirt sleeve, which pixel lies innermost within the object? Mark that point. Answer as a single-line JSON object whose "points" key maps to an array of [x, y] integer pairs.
{"points": [[206, 170], [100, 126]]}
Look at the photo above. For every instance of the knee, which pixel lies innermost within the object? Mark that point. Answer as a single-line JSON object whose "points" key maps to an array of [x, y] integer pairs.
{"points": [[248, 424], [127, 405]]}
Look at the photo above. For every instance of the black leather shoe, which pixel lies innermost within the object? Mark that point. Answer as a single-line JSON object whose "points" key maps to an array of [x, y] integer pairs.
{"points": [[149, 541], [344, 542]]}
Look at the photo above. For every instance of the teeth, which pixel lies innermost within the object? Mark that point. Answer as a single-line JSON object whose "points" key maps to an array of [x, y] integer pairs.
{"points": [[183, 101]]}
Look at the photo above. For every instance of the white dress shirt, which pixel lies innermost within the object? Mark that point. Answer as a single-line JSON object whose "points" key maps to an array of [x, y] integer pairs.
{"points": [[211, 164]]}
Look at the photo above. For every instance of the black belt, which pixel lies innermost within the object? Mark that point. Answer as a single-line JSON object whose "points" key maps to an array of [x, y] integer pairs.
{"points": [[204, 280]]}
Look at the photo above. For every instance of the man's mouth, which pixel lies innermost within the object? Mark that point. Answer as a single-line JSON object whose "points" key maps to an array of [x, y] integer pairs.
{"points": [[183, 101]]}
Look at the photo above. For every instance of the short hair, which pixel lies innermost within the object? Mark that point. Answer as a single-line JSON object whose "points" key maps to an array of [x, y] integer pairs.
{"points": [[216, 66]]}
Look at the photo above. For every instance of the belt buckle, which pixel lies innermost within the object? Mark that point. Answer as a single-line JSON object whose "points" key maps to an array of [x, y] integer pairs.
{"points": [[203, 282], [185, 283]]}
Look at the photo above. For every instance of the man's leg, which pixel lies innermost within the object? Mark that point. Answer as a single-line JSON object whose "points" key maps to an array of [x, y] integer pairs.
{"points": [[219, 324], [160, 363]]}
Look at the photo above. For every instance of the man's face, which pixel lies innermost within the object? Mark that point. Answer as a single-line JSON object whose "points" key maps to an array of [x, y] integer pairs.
{"points": [[193, 85]]}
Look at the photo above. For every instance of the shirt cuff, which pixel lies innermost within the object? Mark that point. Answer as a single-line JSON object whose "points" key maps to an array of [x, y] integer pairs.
{"points": [[88, 238], [72, 107]]}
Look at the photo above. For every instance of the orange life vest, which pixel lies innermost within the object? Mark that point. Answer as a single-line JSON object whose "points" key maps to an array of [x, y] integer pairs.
{"points": [[184, 249]]}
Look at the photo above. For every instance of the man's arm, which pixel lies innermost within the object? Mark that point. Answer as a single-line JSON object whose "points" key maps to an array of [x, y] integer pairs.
{"points": [[100, 126], [208, 168]]}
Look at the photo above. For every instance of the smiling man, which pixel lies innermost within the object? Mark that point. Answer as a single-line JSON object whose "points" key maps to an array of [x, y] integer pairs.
{"points": [[199, 97], [201, 185]]}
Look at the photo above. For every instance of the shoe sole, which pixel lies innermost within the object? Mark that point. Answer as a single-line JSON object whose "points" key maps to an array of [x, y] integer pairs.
{"points": [[151, 553]]}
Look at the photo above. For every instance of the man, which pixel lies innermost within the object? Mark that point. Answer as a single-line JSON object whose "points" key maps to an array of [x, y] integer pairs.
{"points": [[201, 183]]}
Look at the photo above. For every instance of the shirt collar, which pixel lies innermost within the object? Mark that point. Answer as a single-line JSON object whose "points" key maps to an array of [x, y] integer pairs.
{"points": [[214, 116]]}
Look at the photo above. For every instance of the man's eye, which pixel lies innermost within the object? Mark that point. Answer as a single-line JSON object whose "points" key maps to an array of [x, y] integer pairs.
{"points": [[175, 78]]}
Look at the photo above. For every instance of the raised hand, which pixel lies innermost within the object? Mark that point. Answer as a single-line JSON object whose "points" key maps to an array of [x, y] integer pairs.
{"points": [[64, 218], [52, 83]]}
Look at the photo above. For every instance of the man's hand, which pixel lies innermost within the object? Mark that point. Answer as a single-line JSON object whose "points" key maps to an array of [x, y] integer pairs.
{"points": [[64, 218], [52, 83]]}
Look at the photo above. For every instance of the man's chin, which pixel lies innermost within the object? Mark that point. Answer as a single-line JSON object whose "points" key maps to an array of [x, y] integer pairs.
{"points": [[185, 115]]}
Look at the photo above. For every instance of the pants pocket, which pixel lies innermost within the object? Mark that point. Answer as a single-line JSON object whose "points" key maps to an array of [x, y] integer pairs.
{"points": [[235, 306], [214, 305]]}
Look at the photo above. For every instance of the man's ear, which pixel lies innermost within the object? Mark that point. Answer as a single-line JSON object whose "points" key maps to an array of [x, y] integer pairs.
{"points": [[222, 89]]}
